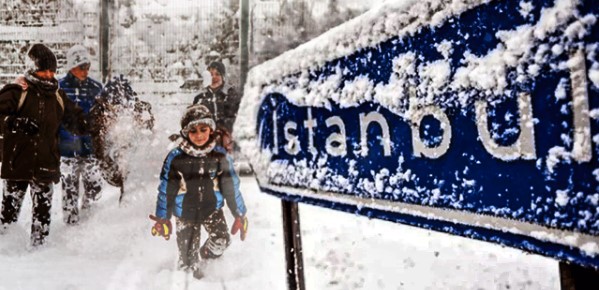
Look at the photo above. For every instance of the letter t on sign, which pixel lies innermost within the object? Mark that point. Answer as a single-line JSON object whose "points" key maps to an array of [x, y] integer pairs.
{"points": [[310, 124]]}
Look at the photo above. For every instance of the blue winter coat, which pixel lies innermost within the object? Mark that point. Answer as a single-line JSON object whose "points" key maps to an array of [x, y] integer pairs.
{"points": [[84, 94], [192, 188]]}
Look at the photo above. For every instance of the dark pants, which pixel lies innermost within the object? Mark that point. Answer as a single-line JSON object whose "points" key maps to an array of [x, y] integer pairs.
{"points": [[73, 169], [41, 196], [188, 240]]}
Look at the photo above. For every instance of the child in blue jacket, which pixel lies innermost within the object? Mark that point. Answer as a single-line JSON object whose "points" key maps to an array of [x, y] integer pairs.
{"points": [[195, 182]]}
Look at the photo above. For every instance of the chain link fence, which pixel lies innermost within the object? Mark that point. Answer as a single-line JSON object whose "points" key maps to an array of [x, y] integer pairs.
{"points": [[164, 46], [24, 22]]}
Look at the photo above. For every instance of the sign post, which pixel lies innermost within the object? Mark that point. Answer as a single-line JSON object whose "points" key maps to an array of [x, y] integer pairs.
{"points": [[573, 277], [474, 118], [293, 245]]}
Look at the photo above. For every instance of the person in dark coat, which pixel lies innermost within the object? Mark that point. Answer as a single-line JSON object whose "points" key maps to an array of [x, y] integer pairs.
{"points": [[219, 97], [31, 120], [78, 161], [195, 182]]}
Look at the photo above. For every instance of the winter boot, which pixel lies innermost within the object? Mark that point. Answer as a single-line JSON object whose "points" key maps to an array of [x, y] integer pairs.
{"points": [[214, 248], [198, 274], [198, 269], [71, 218], [206, 254], [182, 266], [3, 228]]}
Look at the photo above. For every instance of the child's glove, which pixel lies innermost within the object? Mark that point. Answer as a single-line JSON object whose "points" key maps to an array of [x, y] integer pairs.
{"points": [[22, 125], [162, 227], [241, 223]]}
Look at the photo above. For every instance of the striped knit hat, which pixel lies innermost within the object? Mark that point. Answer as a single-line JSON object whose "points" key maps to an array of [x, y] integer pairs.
{"points": [[195, 115]]}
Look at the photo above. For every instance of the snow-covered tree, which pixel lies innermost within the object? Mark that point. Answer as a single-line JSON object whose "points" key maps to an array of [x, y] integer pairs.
{"points": [[293, 24], [335, 15], [224, 40]]}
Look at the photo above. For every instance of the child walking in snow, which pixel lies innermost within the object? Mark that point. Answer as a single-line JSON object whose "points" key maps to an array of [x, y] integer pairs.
{"points": [[194, 179]]}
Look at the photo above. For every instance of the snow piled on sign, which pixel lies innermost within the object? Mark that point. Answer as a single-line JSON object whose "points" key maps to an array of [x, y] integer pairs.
{"points": [[487, 73], [526, 49]]}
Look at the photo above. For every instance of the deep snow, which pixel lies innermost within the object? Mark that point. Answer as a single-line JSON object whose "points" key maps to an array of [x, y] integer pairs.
{"points": [[113, 247]]}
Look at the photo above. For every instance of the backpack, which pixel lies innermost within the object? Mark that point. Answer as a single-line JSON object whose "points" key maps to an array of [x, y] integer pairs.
{"points": [[21, 101], [24, 96]]}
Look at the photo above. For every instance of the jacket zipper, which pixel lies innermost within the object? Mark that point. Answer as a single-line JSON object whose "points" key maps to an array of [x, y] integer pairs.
{"points": [[40, 111]]}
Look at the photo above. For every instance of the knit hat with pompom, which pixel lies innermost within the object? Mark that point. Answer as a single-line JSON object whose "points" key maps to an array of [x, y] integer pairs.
{"points": [[196, 115], [41, 58], [77, 56]]}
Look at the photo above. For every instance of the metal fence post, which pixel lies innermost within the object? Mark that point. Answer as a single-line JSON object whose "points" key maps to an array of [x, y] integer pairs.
{"points": [[104, 39], [243, 42]]}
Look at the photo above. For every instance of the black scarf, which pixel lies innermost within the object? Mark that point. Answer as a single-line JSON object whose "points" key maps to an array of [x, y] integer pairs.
{"points": [[47, 85]]}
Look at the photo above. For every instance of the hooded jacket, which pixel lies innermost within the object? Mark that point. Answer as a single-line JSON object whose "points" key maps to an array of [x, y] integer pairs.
{"points": [[222, 103], [84, 94], [192, 188], [36, 157]]}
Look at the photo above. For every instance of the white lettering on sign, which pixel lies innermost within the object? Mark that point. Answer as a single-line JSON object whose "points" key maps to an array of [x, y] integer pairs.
{"points": [[293, 146], [310, 124], [524, 147], [581, 151], [365, 121], [420, 149], [275, 150], [339, 138]]}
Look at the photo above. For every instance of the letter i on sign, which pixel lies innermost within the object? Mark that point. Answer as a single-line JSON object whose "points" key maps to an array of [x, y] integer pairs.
{"points": [[275, 134], [581, 151]]}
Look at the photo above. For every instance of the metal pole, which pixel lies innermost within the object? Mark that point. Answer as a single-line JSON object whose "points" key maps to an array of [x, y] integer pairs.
{"points": [[243, 42], [293, 246], [574, 277], [104, 39], [251, 30]]}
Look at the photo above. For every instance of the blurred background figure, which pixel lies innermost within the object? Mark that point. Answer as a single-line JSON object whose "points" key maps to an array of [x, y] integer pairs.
{"points": [[219, 97]]}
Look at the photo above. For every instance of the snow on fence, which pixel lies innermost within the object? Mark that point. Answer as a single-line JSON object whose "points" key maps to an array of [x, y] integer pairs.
{"points": [[164, 93], [471, 117]]}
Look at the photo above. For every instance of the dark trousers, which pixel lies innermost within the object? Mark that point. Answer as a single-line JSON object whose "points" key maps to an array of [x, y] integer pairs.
{"points": [[73, 169], [188, 240], [41, 196]]}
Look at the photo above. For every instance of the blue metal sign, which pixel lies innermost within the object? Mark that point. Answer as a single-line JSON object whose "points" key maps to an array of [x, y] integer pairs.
{"points": [[480, 120]]}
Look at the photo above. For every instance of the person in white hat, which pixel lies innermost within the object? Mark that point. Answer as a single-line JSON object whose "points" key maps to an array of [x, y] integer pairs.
{"points": [[77, 159]]}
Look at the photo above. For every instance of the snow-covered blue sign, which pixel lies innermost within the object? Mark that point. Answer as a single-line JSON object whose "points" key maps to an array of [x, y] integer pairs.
{"points": [[473, 117]]}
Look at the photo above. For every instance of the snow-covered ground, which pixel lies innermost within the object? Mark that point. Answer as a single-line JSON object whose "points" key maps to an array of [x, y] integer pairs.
{"points": [[113, 247]]}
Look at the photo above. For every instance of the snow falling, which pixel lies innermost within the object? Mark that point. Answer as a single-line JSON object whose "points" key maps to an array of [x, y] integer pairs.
{"points": [[112, 247], [329, 76]]}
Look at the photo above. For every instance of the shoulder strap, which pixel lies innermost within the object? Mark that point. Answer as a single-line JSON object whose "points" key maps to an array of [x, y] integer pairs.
{"points": [[22, 100], [59, 99], [24, 96]]}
